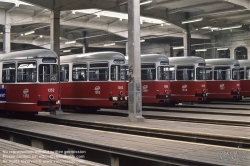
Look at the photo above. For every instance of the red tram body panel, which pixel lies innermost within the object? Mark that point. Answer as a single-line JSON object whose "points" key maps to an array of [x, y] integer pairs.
{"points": [[223, 79], [155, 79], [95, 80], [245, 77], [21, 88], [187, 79]]}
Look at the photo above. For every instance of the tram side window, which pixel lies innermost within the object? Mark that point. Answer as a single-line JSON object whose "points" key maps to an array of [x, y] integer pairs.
{"points": [[163, 73], [209, 73], [201, 73], [79, 72], [185, 73], [64, 73], [98, 72], [242, 74], [9, 72], [26, 72], [118, 72], [222, 73], [148, 72], [248, 73], [48, 73]]}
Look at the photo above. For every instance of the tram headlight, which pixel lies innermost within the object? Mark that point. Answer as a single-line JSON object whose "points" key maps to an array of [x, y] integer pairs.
{"points": [[121, 93], [204, 90], [51, 97], [238, 89], [166, 91]]}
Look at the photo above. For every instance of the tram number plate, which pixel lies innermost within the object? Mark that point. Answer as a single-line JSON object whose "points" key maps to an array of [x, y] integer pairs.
{"points": [[51, 90], [120, 87]]}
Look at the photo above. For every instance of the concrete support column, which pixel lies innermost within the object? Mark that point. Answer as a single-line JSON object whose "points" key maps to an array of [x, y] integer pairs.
{"points": [[134, 63], [55, 45], [6, 35], [37, 144], [214, 50], [126, 48], [85, 48], [114, 160], [232, 53], [187, 43]]}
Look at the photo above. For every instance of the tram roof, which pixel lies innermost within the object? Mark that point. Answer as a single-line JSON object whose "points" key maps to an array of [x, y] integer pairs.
{"points": [[244, 63], [154, 58], [93, 56], [186, 60], [28, 54], [222, 61]]}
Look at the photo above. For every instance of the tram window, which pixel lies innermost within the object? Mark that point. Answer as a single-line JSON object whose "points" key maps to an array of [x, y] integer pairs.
{"points": [[118, 72], [201, 73], [242, 73], [9, 72], [163, 73], [222, 73], [235, 74], [248, 73], [148, 72], [64, 73], [48, 73], [185, 73], [99, 72], [79, 72], [26, 72], [209, 74]]}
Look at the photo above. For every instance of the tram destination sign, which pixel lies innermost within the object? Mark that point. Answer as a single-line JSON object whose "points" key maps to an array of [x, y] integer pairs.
{"points": [[2, 95]]}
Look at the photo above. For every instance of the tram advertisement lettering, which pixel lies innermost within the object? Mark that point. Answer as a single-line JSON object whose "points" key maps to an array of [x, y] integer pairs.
{"points": [[26, 93], [2, 94]]}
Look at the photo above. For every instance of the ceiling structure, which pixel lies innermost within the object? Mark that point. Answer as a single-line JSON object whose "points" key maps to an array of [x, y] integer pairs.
{"points": [[101, 22]]}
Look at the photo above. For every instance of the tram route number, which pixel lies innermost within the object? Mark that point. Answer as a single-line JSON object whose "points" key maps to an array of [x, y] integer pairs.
{"points": [[51, 90], [120, 87]]}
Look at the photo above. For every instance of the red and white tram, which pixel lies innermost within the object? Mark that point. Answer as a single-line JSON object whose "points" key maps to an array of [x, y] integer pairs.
{"points": [[187, 79], [28, 81], [223, 79], [93, 80], [245, 77], [155, 79]]}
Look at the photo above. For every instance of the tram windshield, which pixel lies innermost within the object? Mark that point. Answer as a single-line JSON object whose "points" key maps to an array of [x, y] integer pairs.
{"points": [[118, 72], [235, 74], [48, 73], [248, 73], [201, 73], [98, 71], [163, 73], [27, 72], [185, 73], [242, 73], [222, 73], [148, 71], [9, 72], [209, 73]]}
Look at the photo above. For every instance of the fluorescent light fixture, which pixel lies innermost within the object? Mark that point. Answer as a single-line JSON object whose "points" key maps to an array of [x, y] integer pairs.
{"points": [[21, 34], [70, 42], [30, 32], [109, 44], [66, 50], [145, 2], [120, 16], [201, 50], [41, 36], [142, 40], [222, 49], [193, 20], [178, 48], [232, 27]]}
